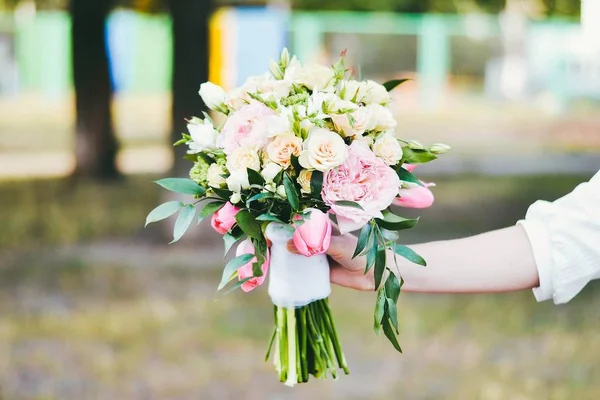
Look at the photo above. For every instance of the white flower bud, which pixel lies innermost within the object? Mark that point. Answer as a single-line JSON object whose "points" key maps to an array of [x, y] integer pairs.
{"points": [[213, 96], [413, 144], [235, 198], [281, 191], [439, 148]]}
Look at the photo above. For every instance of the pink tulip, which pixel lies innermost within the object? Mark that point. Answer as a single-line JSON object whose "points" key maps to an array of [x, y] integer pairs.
{"points": [[224, 219], [245, 271], [415, 196], [314, 235], [409, 167]]}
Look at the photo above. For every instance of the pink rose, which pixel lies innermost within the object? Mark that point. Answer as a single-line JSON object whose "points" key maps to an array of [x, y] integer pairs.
{"points": [[246, 127], [224, 219], [415, 196], [245, 271], [363, 178], [313, 236]]}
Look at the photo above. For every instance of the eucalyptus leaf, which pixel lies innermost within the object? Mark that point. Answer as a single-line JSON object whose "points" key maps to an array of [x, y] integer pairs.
{"points": [[248, 224], [232, 238], [222, 193], [291, 192], [392, 287], [237, 285], [181, 185], [409, 254], [392, 312], [346, 203], [232, 267], [389, 333], [391, 85], [183, 221], [371, 257], [379, 309], [379, 266], [163, 211], [363, 239]]}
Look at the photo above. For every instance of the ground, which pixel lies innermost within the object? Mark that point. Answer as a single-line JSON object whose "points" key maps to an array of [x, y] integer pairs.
{"points": [[93, 306]]}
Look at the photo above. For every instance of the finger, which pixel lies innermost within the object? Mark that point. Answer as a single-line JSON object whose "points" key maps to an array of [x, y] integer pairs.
{"points": [[342, 277], [341, 250], [291, 247]]}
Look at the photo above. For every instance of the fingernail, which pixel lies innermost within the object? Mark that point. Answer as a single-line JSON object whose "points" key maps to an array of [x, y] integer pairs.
{"points": [[292, 247]]}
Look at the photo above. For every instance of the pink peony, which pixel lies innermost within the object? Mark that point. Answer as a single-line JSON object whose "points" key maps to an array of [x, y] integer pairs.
{"points": [[363, 178], [245, 271], [246, 127], [313, 236], [415, 196], [224, 219]]}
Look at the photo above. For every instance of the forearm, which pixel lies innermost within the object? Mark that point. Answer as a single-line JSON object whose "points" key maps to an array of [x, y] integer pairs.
{"points": [[496, 261]]}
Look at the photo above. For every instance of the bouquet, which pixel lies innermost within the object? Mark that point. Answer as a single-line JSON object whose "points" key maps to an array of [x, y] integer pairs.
{"points": [[300, 146]]}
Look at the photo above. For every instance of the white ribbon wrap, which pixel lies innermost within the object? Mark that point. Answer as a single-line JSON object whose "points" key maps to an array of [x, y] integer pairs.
{"points": [[294, 280]]}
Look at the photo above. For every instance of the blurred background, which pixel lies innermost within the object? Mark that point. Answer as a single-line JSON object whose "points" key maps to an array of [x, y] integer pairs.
{"points": [[93, 94]]}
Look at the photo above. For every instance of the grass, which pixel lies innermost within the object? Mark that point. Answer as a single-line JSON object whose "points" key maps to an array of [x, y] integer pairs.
{"points": [[143, 321]]}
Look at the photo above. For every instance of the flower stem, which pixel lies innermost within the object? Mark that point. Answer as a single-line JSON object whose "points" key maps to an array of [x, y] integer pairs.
{"points": [[292, 374], [336, 341]]}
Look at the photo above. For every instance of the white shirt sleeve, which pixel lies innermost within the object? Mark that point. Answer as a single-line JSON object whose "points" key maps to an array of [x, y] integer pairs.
{"points": [[565, 238]]}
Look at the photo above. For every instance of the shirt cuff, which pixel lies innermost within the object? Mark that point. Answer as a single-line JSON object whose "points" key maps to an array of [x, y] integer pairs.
{"points": [[542, 253]]}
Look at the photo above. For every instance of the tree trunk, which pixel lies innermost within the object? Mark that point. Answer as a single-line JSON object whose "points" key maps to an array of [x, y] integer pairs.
{"points": [[96, 145], [190, 68]]}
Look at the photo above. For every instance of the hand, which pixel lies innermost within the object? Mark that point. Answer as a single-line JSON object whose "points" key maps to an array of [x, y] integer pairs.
{"points": [[345, 271]]}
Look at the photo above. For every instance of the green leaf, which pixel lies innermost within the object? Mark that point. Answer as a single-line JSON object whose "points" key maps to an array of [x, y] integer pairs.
{"points": [[291, 192], [409, 254], [237, 285], [211, 208], [181, 185], [392, 312], [391, 85], [254, 177], [230, 239], [389, 333], [268, 217], [163, 211], [371, 257], [363, 239], [248, 224], [183, 221], [392, 287], [232, 267], [316, 183], [412, 156], [181, 141], [396, 223], [379, 309], [346, 203], [259, 196], [406, 176], [379, 266], [295, 163], [222, 193]]}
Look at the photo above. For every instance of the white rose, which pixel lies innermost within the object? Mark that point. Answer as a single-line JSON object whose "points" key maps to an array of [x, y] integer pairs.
{"points": [[304, 180], [383, 120], [204, 135], [374, 93], [270, 171], [313, 76], [213, 96], [238, 180], [323, 150], [279, 124], [388, 149], [357, 123], [283, 147], [214, 176], [242, 158], [367, 140]]}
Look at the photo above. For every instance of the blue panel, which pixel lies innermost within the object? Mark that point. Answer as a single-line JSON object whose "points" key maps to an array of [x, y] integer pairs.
{"points": [[261, 35]]}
